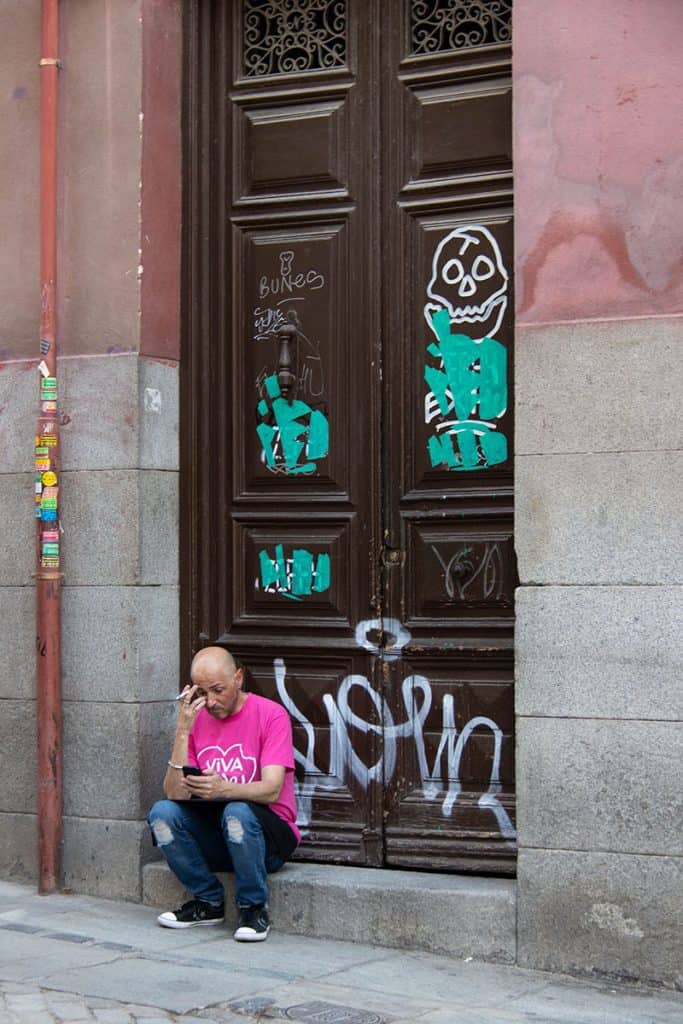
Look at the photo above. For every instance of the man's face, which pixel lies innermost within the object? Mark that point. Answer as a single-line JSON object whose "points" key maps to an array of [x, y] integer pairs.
{"points": [[221, 688]]}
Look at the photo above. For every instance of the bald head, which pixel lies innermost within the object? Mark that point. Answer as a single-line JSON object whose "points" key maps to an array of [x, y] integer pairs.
{"points": [[217, 679], [213, 659]]}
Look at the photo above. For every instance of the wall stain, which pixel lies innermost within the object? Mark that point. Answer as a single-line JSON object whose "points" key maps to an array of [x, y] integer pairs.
{"points": [[563, 228]]}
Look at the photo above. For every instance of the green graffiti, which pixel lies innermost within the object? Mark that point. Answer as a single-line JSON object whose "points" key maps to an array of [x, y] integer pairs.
{"points": [[295, 436], [470, 383], [273, 570], [296, 576]]}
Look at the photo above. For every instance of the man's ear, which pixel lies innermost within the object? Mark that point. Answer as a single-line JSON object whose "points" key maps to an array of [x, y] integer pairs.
{"points": [[239, 677]]}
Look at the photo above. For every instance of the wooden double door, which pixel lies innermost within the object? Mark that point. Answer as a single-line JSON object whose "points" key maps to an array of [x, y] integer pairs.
{"points": [[346, 423]]}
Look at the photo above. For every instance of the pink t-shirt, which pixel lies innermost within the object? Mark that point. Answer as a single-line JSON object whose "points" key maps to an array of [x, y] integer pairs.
{"points": [[237, 747]]}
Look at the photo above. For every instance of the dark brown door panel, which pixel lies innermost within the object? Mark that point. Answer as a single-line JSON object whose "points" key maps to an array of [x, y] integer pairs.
{"points": [[347, 431]]}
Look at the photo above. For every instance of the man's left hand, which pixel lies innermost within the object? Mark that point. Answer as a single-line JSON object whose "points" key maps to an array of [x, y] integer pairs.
{"points": [[208, 786]]}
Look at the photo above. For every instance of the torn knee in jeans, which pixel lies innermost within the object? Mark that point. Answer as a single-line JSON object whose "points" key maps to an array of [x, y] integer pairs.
{"points": [[162, 833], [235, 830]]}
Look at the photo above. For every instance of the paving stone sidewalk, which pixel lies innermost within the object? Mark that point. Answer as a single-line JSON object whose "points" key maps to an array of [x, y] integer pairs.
{"points": [[67, 959], [28, 1004]]}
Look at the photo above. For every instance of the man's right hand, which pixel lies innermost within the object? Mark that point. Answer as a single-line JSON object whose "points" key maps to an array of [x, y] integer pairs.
{"points": [[189, 706]]}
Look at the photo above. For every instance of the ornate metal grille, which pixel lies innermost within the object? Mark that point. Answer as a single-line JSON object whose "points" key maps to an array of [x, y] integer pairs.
{"points": [[287, 36], [458, 24]]}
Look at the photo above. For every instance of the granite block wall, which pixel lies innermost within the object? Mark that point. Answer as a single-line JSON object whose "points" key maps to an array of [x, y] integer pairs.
{"points": [[118, 286], [599, 488], [120, 613]]}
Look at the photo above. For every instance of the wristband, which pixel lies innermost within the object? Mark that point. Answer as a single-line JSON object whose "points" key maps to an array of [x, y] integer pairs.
{"points": [[171, 765]]}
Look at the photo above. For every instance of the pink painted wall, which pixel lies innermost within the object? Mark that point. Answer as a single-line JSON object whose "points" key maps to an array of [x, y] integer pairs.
{"points": [[161, 178], [19, 178], [598, 128], [119, 174], [98, 163]]}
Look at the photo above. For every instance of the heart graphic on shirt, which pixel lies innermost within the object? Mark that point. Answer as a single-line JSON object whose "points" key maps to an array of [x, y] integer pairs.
{"points": [[232, 764]]}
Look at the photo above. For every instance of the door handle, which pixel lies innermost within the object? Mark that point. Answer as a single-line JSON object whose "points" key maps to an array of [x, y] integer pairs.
{"points": [[286, 334]]}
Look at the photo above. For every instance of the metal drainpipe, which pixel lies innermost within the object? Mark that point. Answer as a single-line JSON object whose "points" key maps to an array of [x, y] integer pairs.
{"points": [[47, 483]]}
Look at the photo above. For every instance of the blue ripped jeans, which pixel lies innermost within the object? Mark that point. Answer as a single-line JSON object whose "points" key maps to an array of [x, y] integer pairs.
{"points": [[197, 841]]}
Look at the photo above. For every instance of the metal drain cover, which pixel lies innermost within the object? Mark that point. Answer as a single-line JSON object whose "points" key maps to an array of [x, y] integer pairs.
{"points": [[330, 1013]]}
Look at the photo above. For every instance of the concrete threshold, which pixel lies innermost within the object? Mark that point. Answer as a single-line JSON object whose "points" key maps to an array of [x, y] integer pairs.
{"points": [[454, 915]]}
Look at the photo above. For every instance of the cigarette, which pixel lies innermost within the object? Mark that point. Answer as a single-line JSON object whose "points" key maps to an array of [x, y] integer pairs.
{"points": [[184, 693]]}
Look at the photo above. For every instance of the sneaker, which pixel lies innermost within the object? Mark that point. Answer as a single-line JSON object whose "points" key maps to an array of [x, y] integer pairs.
{"points": [[253, 925], [192, 914]]}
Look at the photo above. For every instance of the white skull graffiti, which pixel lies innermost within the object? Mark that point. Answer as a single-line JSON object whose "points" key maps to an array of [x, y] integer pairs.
{"points": [[469, 281]]}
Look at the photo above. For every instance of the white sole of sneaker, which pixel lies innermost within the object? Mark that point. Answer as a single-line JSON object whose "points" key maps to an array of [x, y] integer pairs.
{"points": [[244, 935], [166, 921]]}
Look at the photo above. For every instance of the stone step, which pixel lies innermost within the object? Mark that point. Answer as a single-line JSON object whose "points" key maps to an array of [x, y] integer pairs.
{"points": [[455, 915]]}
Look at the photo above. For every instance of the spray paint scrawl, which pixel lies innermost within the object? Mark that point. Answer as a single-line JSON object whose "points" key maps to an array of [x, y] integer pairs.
{"points": [[467, 374], [344, 762]]}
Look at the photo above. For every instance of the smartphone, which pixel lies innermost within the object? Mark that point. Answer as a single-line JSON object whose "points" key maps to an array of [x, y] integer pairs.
{"points": [[189, 769]]}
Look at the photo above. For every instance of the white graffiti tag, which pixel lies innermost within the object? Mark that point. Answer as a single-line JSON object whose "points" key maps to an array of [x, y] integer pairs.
{"points": [[391, 637], [344, 762], [470, 281], [466, 369]]}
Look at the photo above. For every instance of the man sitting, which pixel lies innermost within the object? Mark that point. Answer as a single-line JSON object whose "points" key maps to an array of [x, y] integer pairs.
{"points": [[239, 813]]}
